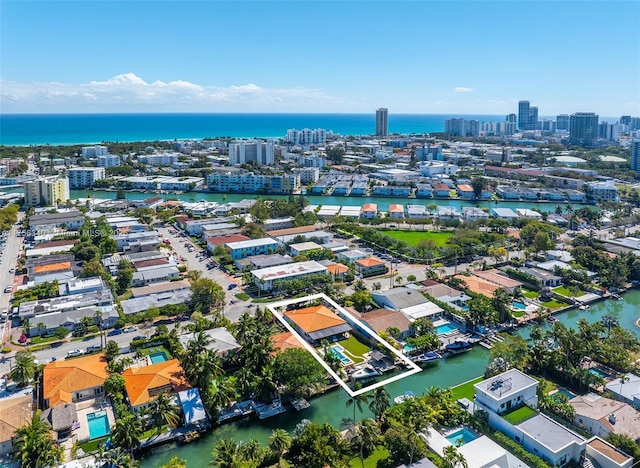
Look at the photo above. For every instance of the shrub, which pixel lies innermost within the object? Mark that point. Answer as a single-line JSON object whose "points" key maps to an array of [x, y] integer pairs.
{"points": [[518, 450]]}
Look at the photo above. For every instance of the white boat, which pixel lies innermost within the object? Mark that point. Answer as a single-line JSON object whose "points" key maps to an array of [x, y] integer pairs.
{"points": [[366, 372], [404, 397], [265, 411], [427, 357], [584, 307]]}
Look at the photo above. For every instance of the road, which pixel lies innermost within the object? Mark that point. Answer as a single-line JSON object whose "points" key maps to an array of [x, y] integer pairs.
{"points": [[9, 258]]}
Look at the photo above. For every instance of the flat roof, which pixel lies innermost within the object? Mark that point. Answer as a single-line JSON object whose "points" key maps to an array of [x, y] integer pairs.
{"points": [[292, 269], [549, 433], [506, 384], [251, 243]]}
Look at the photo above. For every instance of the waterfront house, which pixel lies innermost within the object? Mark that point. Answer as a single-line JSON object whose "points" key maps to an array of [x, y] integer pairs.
{"points": [[473, 213], [417, 212], [317, 323], [242, 249], [369, 211], [266, 279], [62, 419], [424, 191], [285, 340], [497, 277], [370, 267], [465, 192], [350, 212], [380, 320], [527, 213], [445, 293], [144, 384], [508, 193], [602, 416], [441, 190], [396, 211], [408, 301], [504, 213], [478, 285], [73, 380], [626, 388], [606, 191], [502, 394], [448, 213], [391, 191], [15, 412], [574, 196], [545, 278]]}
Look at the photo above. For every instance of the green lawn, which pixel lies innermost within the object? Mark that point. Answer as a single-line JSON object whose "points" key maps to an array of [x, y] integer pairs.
{"points": [[354, 346], [517, 313], [466, 390], [553, 304], [243, 296], [92, 445], [520, 415], [371, 461], [565, 292], [413, 238], [531, 294]]}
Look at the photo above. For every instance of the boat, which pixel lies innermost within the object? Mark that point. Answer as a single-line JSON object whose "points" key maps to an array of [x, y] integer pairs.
{"points": [[429, 356], [267, 411], [458, 346], [584, 307], [552, 319], [300, 403], [366, 372], [408, 395], [189, 437]]}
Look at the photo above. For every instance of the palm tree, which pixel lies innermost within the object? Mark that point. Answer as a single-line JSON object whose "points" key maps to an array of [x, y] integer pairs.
{"points": [[454, 459], [34, 446], [119, 458], [609, 322], [226, 454], [380, 403], [358, 401], [127, 432], [164, 412], [501, 300], [24, 368], [279, 443], [363, 435]]}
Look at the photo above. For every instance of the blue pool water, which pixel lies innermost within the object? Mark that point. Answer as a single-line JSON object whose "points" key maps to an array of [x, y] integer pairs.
{"points": [[444, 328], [337, 351], [519, 305], [98, 424], [158, 357], [464, 435], [566, 392], [598, 372]]}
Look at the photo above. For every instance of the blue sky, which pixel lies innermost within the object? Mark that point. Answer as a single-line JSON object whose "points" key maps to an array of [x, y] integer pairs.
{"points": [[468, 57]]}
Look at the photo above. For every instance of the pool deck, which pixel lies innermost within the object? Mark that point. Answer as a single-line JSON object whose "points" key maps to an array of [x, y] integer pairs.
{"points": [[82, 433]]}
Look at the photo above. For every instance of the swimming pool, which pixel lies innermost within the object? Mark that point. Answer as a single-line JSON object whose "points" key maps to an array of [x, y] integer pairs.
{"points": [[98, 424], [519, 305], [461, 436], [566, 392], [598, 372], [337, 351], [157, 357], [445, 328]]}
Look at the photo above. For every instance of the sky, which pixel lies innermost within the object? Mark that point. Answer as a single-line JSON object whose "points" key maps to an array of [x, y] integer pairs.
{"points": [[350, 56]]}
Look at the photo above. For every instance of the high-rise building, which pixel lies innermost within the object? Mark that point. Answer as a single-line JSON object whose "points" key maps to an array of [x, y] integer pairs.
{"points": [[462, 127], [244, 151], [533, 118], [84, 177], [523, 115], [511, 118], [583, 128], [562, 122], [625, 119], [307, 136], [46, 191], [93, 151], [635, 155], [382, 124]]}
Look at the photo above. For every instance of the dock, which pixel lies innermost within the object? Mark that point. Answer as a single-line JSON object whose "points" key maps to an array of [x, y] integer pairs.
{"points": [[237, 410], [485, 344]]}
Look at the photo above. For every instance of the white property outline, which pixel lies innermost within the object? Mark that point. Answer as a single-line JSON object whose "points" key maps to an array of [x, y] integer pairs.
{"points": [[414, 368]]}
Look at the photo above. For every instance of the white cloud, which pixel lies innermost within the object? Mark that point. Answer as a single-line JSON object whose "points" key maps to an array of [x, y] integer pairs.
{"points": [[128, 92], [462, 89]]}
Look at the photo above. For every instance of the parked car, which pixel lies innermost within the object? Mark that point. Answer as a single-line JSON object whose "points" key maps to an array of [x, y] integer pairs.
{"points": [[8, 288], [130, 329], [138, 338], [12, 270], [92, 348], [232, 286], [117, 331], [75, 353]]}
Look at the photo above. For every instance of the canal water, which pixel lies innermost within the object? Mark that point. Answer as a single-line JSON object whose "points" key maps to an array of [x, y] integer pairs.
{"points": [[382, 202], [331, 407]]}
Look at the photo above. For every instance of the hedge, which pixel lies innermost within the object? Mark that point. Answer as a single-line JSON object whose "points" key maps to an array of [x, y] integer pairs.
{"points": [[518, 450]]}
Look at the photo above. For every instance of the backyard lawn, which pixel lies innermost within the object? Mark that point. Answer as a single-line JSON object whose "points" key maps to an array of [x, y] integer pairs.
{"points": [[466, 390], [413, 238], [553, 304], [371, 461], [354, 347], [520, 415], [563, 291], [531, 294], [517, 313]]}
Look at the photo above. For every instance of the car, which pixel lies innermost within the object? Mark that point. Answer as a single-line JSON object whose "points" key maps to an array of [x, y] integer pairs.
{"points": [[12, 270], [75, 353], [232, 286], [92, 348], [116, 331], [8, 288], [130, 329], [138, 338]]}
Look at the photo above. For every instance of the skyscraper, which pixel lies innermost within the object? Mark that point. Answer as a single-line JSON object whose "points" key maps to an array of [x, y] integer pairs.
{"points": [[583, 128], [562, 122], [635, 155], [382, 127], [523, 115]]}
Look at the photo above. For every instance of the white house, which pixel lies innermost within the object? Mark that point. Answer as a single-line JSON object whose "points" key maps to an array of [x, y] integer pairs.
{"points": [[627, 390], [504, 213], [602, 416]]}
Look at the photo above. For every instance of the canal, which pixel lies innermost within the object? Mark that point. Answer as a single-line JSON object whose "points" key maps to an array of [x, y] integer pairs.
{"points": [[331, 407]]}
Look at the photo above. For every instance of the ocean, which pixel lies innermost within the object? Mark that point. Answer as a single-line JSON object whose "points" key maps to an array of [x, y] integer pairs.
{"points": [[69, 129]]}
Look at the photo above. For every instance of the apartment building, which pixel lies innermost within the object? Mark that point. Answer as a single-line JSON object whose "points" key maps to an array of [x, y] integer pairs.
{"points": [[46, 191], [84, 177]]}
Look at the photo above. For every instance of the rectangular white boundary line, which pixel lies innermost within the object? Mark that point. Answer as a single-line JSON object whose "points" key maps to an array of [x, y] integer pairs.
{"points": [[413, 368]]}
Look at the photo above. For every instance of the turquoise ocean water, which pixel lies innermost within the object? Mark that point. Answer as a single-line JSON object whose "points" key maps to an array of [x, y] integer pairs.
{"points": [[62, 129]]}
